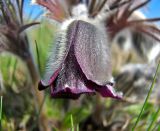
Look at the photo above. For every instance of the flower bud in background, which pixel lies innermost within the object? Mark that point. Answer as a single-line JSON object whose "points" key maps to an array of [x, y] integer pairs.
{"points": [[131, 30], [12, 25]]}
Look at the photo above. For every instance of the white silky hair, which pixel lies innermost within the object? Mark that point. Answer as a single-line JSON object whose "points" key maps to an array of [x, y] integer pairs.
{"points": [[55, 58], [80, 11], [102, 15]]}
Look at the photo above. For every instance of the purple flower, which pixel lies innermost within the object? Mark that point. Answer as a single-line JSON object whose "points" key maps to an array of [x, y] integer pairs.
{"points": [[79, 63]]}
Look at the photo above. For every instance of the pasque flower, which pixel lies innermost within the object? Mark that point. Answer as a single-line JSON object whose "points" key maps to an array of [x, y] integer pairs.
{"points": [[83, 67], [80, 61]]}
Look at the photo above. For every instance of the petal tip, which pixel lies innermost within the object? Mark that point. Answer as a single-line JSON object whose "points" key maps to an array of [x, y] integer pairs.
{"points": [[109, 91], [41, 86], [70, 93]]}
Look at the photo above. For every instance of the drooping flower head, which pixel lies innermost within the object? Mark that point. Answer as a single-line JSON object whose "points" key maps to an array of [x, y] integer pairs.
{"points": [[80, 61]]}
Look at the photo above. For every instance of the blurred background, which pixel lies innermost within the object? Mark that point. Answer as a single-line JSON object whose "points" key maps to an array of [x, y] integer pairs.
{"points": [[23, 55]]}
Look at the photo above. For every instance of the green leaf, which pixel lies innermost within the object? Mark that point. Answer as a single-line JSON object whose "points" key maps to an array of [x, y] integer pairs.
{"points": [[155, 117]]}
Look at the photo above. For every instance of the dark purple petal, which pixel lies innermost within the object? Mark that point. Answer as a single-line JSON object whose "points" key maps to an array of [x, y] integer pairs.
{"points": [[92, 52], [70, 92], [70, 81], [106, 90], [75, 92]]}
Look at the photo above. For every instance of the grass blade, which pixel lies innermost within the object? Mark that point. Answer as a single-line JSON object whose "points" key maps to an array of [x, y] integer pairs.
{"points": [[77, 128], [159, 127], [1, 100], [146, 100], [38, 57], [72, 124], [154, 119]]}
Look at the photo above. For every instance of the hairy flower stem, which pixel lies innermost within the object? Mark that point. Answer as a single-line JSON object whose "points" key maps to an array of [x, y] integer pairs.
{"points": [[98, 109], [39, 96]]}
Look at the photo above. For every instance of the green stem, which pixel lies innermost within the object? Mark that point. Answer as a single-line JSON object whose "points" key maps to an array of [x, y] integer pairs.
{"points": [[1, 100], [39, 96], [72, 124], [146, 100]]}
